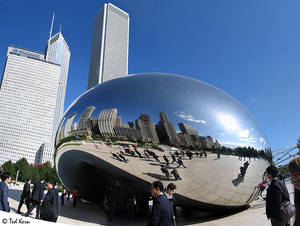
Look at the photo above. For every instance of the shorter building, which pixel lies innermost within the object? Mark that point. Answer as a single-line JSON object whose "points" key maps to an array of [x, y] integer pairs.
{"points": [[147, 128], [185, 140], [127, 132], [187, 129], [166, 131]]}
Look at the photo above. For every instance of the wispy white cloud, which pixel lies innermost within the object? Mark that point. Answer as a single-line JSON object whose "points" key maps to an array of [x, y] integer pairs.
{"points": [[244, 133], [189, 117]]}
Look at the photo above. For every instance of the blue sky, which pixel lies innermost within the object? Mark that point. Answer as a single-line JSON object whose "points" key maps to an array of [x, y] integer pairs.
{"points": [[249, 49]]}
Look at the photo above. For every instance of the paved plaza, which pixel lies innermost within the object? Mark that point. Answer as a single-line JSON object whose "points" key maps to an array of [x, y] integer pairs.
{"points": [[209, 180], [89, 214]]}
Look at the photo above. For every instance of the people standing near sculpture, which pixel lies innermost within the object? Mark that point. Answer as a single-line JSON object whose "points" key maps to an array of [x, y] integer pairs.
{"points": [[294, 169], [277, 193], [75, 195], [49, 208], [161, 209], [169, 193], [36, 198], [4, 204], [25, 196], [62, 197]]}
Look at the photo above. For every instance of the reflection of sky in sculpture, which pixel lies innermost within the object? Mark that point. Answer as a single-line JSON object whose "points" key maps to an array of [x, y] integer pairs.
{"points": [[206, 108]]}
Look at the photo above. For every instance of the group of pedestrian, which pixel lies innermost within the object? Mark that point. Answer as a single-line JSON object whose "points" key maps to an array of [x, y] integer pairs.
{"points": [[278, 207], [163, 204]]}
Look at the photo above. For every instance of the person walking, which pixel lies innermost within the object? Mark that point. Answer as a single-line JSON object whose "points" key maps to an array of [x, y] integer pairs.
{"points": [[25, 196], [4, 204], [37, 196], [294, 169], [161, 209], [277, 193], [49, 208], [170, 196]]}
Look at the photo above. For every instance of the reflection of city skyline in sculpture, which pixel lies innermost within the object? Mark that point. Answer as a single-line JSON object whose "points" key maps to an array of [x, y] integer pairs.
{"points": [[131, 137], [164, 132]]}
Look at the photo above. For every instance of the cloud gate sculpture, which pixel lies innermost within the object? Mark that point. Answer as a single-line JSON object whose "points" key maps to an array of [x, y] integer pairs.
{"points": [[165, 127]]}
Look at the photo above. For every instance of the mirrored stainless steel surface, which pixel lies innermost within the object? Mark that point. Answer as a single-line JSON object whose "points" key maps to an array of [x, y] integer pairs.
{"points": [[172, 128]]}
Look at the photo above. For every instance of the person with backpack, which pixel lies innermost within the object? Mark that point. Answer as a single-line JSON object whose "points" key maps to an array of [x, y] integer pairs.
{"points": [[277, 194]]}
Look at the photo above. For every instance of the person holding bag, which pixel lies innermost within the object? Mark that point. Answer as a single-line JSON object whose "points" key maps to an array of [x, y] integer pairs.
{"points": [[278, 206], [49, 209]]}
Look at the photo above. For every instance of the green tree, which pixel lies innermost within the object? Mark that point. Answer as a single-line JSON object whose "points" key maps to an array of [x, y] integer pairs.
{"points": [[35, 175], [24, 169], [10, 168]]}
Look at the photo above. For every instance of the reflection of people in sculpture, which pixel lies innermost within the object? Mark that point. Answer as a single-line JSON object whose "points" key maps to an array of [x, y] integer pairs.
{"points": [[165, 171], [166, 159], [138, 153], [218, 155], [262, 186], [116, 156], [189, 154], [122, 157], [145, 152], [176, 153], [176, 174], [173, 158], [180, 163]]}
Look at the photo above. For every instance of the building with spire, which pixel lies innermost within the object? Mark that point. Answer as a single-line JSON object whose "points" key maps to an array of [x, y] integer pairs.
{"points": [[109, 52], [32, 94]]}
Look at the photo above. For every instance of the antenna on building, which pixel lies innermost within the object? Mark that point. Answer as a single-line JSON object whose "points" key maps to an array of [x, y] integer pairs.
{"points": [[59, 28], [50, 33]]}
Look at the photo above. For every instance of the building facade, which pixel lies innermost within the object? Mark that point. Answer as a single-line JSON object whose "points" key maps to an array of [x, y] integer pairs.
{"points": [[84, 120], [166, 131], [28, 98], [107, 121], [109, 52], [147, 128]]}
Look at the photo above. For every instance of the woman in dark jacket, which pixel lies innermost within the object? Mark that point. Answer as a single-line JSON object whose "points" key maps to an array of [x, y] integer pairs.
{"points": [[49, 210]]}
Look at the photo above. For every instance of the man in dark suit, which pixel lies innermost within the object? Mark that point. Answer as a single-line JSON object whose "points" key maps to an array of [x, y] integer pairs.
{"points": [[4, 205], [162, 210], [37, 198], [277, 193], [25, 196]]}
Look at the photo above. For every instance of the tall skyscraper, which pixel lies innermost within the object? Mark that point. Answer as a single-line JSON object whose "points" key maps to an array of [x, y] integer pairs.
{"points": [[32, 100], [109, 53], [57, 51], [28, 97]]}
